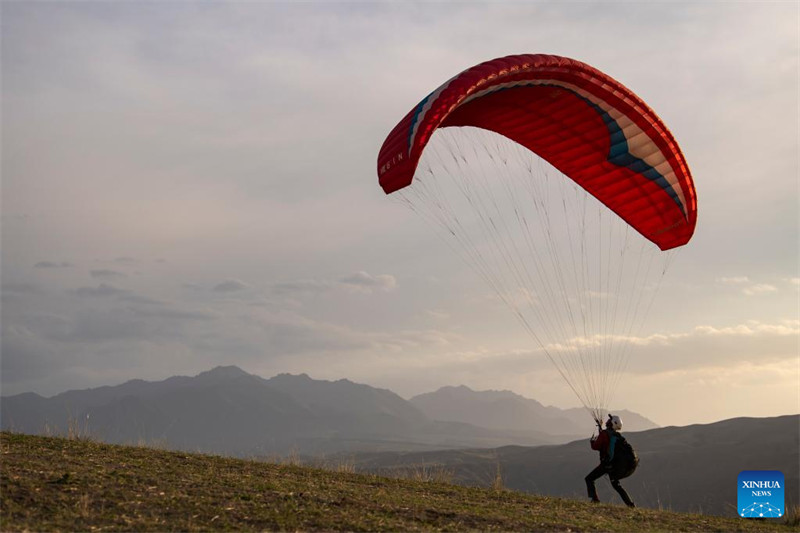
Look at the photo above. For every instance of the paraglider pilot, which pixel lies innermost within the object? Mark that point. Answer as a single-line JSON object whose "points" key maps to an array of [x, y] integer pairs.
{"points": [[605, 443]]}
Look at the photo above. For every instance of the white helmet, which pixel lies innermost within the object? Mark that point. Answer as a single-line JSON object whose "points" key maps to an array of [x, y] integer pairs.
{"points": [[614, 422]]}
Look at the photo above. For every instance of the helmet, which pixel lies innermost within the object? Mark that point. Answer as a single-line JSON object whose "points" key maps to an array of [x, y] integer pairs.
{"points": [[614, 422]]}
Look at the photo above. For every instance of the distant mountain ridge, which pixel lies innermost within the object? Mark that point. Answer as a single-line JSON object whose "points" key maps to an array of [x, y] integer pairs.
{"points": [[506, 410], [692, 468], [226, 410]]}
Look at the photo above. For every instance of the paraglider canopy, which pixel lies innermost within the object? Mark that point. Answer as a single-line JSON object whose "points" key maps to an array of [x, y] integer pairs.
{"points": [[582, 121], [563, 190]]}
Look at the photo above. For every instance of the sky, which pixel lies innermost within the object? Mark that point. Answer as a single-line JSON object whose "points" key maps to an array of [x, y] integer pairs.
{"points": [[187, 185]]}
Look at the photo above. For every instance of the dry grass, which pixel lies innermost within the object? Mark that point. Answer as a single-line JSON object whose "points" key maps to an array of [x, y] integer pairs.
{"points": [[52, 484], [792, 516], [423, 473], [497, 482]]}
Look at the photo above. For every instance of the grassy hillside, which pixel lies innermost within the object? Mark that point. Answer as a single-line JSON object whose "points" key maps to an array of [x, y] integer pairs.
{"points": [[50, 484], [685, 469]]}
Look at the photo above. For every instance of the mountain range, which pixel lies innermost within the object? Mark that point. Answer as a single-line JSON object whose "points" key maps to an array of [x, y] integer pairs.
{"points": [[506, 410], [226, 410]]}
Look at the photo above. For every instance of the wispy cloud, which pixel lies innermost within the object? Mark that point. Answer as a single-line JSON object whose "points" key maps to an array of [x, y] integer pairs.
{"points": [[231, 285], [752, 289], [787, 327], [749, 329], [21, 288], [52, 264], [106, 274], [302, 286], [733, 280], [362, 282], [759, 288], [103, 290], [365, 282], [172, 313]]}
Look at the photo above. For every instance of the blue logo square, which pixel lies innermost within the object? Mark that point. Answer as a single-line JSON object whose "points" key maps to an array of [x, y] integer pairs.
{"points": [[760, 494]]}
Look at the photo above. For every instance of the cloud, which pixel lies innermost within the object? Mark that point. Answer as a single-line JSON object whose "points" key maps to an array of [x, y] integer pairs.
{"points": [[360, 281], [750, 329], [706, 346], [139, 299], [284, 333], [52, 264], [25, 355], [788, 327], [760, 288], [106, 274], [734, 280], [102, 291], [230, 285], [21, 288], [170, 313], [701, 348], [302, 286], [364, 282], [294, 334], [106, 326], [752, 289]]}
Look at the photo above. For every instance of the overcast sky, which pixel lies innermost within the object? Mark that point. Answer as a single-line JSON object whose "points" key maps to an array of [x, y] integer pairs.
{"points": [[186, 185]]}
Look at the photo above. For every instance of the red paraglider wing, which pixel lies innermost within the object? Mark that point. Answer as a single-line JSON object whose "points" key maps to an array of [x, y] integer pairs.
{"points": [[584, 123]]}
